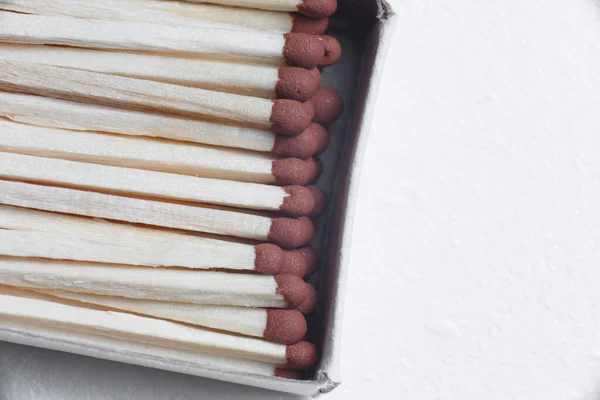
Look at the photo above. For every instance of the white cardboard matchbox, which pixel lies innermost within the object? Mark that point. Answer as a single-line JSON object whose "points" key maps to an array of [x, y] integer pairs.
{"points": [[364, 28]]}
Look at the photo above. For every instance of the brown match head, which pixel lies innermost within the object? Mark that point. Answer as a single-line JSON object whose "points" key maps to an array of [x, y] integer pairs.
{"points": [[269, 259], [309, 51], [294, 171], [290, 117], [300, 262], [301, 355], [318, 8], [317, 164], [299, 203], [285, 326], [297, 83], [328, 105], [313, 140], [304, 24], [287, 373], [291, 233], [292, 288], [312, 298], [320, 201]]}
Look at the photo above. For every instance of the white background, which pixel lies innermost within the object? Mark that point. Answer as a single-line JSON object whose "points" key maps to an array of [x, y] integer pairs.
{"points": [[475, 270]]}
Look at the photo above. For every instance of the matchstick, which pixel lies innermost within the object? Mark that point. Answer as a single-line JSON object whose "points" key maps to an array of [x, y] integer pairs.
{"points": [[103, 346], [293, 201], [299, 49], [67, 237], [301, 355], [170, 13], [246, 79], [278, 326], [328, 105], [54, 113], [149, 154], [287, 233], [312, 8], [171, 285], [287, 117]]}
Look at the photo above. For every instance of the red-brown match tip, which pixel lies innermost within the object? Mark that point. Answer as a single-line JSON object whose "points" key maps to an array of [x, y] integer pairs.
{"points": [[269, 259], [285, 326], [294, 171], [311, 258], [309, 51], [299, 203], [291, 117], [297, 83], [287, 373], [320, 201], [312, 141], [310, 303], [291, 233], [318, 8], [301, 355], [292, 288], [300, 262], [317, 164], [328, 105], [303, 24]]}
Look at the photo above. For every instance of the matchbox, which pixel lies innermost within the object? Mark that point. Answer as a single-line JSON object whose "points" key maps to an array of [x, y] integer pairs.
{"points": [[364, 29]]}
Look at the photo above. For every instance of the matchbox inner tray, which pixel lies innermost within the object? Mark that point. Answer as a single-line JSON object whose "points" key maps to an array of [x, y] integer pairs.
{"points": [[364, 30]]}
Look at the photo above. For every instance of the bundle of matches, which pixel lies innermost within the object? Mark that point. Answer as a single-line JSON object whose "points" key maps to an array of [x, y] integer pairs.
{"points": [[157, 162]]}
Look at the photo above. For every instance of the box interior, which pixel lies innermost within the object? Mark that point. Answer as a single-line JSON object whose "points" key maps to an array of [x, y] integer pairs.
{"points": [[363, 29]]}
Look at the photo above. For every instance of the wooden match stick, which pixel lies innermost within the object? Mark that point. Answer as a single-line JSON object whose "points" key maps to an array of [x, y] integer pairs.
{"points": [[103, 345], [299, 49], [153, 331], [54, 113], [278, 326], [91, 247], [246, 79], [67, 237], [170, 13], [288, 233], [294, 201], [171, 285], [287, 117], [132, 152], [312, 8]]}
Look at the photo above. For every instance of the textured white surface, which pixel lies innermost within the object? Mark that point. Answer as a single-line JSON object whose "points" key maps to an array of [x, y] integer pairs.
{"points": [[479, 268]]}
